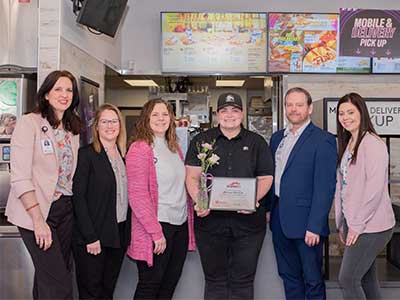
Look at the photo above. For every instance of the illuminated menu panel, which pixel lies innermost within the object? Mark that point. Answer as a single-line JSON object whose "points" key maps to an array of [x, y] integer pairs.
{"points": [[386, 65], [308, 43], [213, 43]]}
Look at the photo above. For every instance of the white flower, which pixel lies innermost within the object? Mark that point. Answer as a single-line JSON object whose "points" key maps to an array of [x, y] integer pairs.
{"points": [[207, 146], [213, 159], [201, 156]]}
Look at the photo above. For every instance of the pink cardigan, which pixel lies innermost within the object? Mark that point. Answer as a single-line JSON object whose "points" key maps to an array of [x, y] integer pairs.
{"points": [[368, 207], [143, 199], [32, 169]]}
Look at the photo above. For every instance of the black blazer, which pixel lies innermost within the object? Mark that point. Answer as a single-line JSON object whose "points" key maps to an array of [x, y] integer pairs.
{"points": [[94, 202]]}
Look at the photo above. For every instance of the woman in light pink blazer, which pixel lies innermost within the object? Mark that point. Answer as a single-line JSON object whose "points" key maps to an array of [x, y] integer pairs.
{"points": [[44, 148], [162, 212], [363, 209]]}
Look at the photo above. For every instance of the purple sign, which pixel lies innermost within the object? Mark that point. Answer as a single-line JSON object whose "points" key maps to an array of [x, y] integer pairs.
{"points": [[369, 32]]}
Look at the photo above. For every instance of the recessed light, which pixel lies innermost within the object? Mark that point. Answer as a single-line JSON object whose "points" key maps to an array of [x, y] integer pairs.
{"points": [[231, 83], [134, 82]]}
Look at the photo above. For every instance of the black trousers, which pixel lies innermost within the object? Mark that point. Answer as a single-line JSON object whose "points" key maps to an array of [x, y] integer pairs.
{"points": [[97, 275], [229, 253], [53, 267], [160, 280]]}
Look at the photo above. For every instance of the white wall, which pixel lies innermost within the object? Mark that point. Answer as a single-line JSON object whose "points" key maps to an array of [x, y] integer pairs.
{"points": [[127, 97], [80, 63], [141, 31], [335, 86], [321, 86], [102, 47]]}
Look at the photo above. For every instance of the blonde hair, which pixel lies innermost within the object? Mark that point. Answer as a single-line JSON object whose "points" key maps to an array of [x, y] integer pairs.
{"points": [[121, 138]]}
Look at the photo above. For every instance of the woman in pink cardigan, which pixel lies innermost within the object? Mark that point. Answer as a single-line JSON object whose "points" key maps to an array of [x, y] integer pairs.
{"points": [[162, 213], [364, 214]]}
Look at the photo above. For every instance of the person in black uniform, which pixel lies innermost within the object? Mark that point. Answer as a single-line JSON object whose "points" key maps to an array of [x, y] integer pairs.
{"points": [[229, 242], [100, 201]]}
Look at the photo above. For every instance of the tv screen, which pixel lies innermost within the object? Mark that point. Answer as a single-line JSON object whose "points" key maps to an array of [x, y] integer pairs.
{"points": [[308, 43], [213, 43], [102, 15]]}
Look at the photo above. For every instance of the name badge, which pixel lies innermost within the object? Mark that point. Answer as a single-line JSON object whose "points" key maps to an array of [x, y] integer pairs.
{"points": [[47, 146]]}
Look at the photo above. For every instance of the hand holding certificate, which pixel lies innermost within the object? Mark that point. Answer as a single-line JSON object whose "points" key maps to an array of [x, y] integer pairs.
{"points": [[236, 194]]}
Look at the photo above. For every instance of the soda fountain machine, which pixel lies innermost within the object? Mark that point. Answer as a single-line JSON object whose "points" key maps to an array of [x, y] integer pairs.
{"points": [[17, 93]]}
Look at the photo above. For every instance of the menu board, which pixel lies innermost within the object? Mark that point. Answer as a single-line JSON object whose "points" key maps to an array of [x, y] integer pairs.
{"points": [[308, 43], [213, 42], [385, 65]]}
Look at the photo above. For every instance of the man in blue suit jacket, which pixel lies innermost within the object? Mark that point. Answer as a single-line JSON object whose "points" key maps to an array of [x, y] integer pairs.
{"points": [[301, 196]]}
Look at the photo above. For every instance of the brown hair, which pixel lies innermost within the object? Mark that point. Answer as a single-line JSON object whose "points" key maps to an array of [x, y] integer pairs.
{"points": [[143, 132], [70, 120], [302, 91], [343, 135], [121, 138]]}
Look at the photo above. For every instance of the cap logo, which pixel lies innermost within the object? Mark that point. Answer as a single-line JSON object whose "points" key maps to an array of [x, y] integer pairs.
{"points": [[230, 98]]}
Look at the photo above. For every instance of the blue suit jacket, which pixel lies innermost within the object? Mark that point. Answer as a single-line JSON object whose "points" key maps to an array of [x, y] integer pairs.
{"points": [[308, 183]]}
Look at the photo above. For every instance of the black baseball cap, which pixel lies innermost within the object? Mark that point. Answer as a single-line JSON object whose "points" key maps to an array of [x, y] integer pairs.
{"points": [[229, 99]]}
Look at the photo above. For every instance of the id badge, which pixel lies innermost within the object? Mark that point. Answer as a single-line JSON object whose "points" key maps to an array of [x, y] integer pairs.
{"points": [[47, 146]]}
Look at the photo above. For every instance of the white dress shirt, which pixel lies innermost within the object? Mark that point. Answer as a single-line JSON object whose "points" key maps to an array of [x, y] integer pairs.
{"points": [[284, 149]]}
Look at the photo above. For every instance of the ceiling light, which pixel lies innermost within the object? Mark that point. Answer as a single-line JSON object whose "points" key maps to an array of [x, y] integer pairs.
{"points": [[140, 82], [231, 83], [268, 82]]}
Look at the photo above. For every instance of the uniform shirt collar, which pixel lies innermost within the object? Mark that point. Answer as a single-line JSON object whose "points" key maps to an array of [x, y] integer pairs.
{"points": [[239, 136]]}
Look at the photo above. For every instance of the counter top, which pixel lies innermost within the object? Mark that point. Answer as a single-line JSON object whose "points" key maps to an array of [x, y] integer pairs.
{"points": [[7, 229]]}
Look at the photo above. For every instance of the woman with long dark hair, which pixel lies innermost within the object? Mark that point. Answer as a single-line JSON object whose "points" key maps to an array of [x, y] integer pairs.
{"points": [[364, 214], [44, 149], [162, 213]]}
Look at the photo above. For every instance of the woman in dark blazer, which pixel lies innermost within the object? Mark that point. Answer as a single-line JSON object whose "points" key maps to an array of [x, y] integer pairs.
{"points": [[102, 220]]}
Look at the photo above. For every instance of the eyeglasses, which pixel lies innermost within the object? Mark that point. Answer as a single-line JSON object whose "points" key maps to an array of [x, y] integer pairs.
{"points": [[105, 122]]}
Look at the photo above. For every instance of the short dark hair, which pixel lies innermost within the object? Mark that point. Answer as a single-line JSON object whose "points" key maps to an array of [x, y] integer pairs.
{"points": [[70, 120], [365, 125], [299, 90]]}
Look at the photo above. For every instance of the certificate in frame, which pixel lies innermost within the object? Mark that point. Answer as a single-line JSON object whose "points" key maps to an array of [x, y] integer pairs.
{"points": [[233, 194]]}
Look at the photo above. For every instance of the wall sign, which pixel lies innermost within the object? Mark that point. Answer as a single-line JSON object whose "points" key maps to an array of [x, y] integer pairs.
{"points": [[384, 113], [369, 32]]}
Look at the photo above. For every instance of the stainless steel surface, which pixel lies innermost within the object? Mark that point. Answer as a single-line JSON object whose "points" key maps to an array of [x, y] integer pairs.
{"points": [[4, 187], [9, 232], [279, 83], [24, 33], [4, 31], [19, 33], [284, 89], [26, 87], [16, 269], [7, 229], [16, 275]]}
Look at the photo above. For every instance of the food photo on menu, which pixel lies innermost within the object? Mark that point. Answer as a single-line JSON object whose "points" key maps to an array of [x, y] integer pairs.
{"points": [[308, 43], [302, 42], [213, 42]]}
